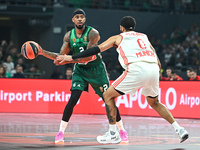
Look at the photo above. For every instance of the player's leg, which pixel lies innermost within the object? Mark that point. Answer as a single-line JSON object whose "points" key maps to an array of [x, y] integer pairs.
{"points": [[166, 114], [120, 125], [112, 136], [100, 85], [78, 85], [75, 95], [151, 91]]}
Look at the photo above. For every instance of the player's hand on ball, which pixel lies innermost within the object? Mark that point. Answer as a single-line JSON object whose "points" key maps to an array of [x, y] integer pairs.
{"points": [[64, 58], [30, 49], [40, 50]]}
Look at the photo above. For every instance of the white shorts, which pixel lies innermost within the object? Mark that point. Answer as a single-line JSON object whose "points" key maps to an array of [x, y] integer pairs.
{"points": [[139, 74]]}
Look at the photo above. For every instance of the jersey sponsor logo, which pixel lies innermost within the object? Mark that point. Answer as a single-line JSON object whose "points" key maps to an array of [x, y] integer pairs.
{"points": [[85, 38], [101, 88], [145, 53], [74, 39]]}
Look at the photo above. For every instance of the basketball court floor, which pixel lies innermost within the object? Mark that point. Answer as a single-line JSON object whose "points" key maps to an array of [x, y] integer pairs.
{"points": [[27, 131]]}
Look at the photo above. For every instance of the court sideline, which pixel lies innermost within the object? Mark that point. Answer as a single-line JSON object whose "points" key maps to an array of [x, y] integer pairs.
{"points": [[26, 131]]}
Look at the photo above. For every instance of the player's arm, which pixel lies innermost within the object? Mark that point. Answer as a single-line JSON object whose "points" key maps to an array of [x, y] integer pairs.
{"points": [[111, 42], [65, 49], [159, 64], [93, 41]]}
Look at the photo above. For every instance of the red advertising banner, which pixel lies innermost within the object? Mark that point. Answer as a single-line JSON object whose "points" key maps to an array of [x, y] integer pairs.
{"points": [[182, 98]]}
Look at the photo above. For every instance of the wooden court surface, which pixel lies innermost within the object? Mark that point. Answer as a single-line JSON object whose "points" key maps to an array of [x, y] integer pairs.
{"points": [[27, 131]]}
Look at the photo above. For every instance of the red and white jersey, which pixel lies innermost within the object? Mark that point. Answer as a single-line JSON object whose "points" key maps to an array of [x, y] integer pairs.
{"points": [[135, 47]]}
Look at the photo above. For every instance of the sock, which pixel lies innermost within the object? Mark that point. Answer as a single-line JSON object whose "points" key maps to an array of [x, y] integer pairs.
{"points": [[113, 127], [176, 125], [63, 126], [120, 125]]}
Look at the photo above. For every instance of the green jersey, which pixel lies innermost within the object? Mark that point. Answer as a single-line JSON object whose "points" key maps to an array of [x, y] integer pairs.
{"points": [[80, 44], [92, 72]]}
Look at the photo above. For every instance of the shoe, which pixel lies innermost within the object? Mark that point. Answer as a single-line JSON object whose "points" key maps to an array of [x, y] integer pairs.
{"points": [[109, 137], [123, 135], [59, 138], [183, 134]]}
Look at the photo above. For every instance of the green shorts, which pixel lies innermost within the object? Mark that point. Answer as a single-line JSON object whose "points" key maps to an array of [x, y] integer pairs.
{"points": [[95, 75]]}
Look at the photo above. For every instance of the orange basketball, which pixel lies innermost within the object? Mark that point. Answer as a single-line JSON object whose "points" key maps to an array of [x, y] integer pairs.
{"points": [[30, 49]]}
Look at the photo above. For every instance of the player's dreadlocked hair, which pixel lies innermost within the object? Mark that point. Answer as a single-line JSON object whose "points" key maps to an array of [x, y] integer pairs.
{"points": [[128, 23]]}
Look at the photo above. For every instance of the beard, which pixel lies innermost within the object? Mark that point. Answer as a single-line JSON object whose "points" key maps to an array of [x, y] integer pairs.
{"points": [[80, 26]]}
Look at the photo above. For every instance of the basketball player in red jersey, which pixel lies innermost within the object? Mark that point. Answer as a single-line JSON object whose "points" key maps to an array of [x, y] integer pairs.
{"points": [[138, 57]]}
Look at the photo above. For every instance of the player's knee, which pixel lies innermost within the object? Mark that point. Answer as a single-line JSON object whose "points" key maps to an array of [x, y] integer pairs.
{"points": [[154, 104], [73, 100], [106, 96], [153, 101]]}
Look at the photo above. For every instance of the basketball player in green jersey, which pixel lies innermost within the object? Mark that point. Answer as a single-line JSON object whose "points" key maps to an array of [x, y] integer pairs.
{"points": [[90, 70]]}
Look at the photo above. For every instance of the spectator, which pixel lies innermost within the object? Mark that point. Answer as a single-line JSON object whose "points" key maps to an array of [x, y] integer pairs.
{"points": [[8, 75], [194, 76], [32, 72], [188, 73], [3, 47], [56, 74], [14, 54], [172, 59], [2, 72], [19, 72], [1, 56], [8, 47], [164, 39], [68, 73], [180, 57], [20, 61], [9, 63], [175, 77], [168, 72], [13, 71], [167, 55], [161, 78]]}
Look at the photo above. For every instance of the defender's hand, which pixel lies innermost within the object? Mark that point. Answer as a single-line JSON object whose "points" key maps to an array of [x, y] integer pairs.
{"points": [[64, 58], [57, 63]]}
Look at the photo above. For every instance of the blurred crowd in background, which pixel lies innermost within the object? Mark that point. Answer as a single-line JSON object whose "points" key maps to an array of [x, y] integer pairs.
{"points": [[168, 6], [13, 65], [178, 51]]}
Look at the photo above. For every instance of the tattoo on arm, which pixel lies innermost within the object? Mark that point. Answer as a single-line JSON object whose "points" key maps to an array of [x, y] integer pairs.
{"points": [[93, 38], [65, 49], [50, 55]]}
